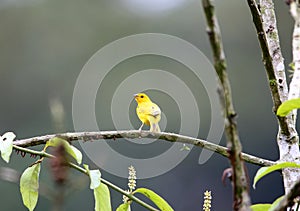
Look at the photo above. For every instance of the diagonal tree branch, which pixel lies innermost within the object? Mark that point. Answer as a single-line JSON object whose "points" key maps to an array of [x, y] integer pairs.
{"points": [[136, 134], [240, 186], [287, 137], [275, 71], [277, 78]]}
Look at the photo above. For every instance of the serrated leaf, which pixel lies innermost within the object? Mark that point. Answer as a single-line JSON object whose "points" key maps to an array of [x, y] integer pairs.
{"points": [[95, 176], [71, 150], [263, 171], [6, 145], [29, 185], [124, 207], [102, 198], [275, 203], [286, 107], [155, 198], [260, 207]]}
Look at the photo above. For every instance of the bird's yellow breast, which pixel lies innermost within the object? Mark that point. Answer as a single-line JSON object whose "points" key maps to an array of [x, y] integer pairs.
{"points": [[148, 112]]}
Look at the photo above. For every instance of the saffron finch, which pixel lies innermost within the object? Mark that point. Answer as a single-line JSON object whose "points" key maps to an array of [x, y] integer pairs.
{"points": [[148, 112]]}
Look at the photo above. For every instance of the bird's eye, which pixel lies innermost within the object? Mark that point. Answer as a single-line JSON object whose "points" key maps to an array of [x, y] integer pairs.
{"points": [[142, 96]]}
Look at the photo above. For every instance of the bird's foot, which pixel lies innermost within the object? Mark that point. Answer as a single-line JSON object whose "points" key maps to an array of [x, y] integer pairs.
{"points": [[140, 131]]}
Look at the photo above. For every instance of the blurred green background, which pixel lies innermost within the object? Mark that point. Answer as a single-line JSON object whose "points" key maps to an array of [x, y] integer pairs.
{"points": [[44, 45]]}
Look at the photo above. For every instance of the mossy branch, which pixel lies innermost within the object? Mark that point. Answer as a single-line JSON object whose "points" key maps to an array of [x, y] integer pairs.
{"points": [[276, 74], [136, 134], [240, 186], [265, 23]]}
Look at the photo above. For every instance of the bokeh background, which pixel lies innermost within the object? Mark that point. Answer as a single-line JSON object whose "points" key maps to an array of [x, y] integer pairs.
{"points": [[44, 45]]}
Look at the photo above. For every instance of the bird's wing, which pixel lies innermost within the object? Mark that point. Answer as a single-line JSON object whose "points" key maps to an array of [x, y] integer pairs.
{"points": [[149, 109], [154, 110]]}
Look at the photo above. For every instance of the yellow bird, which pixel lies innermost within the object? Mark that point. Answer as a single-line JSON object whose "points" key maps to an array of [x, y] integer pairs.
{"points": [[148, 112]]}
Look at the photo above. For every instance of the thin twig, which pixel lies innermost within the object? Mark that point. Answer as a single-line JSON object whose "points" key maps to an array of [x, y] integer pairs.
{"points": [[82, 170], [240, 186], [136, 134]]}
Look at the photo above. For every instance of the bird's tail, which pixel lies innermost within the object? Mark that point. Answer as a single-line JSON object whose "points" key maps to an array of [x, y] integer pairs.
{"points": [[154, 127]]}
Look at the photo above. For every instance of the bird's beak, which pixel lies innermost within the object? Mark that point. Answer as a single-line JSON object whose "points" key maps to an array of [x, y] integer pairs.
{"points": [[135, 95]]}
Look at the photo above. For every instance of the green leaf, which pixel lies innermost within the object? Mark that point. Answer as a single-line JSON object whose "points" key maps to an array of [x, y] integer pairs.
{"points": [[263, 171], [260, 207], [95, 176], [157, 200], [287, 106], [102, 198], [6, 145], [266, 207], [75, 153], [29, 185], [124, 207], [86, 168], [71, 150], [275, 203]]}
